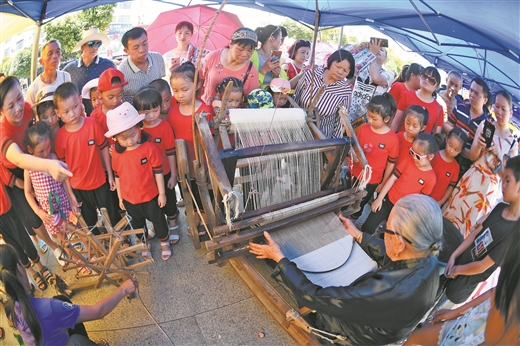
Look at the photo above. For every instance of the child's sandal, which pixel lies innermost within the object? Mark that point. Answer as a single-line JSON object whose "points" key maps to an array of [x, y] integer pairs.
{"points": [[42, 285], [166, 254], [46, 274], [147, 254]]}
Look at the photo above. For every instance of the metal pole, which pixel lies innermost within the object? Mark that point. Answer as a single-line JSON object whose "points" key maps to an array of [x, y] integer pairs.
{"points": [[340, 37]]}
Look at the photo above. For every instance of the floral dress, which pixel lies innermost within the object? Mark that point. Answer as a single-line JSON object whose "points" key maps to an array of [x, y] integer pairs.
{"points": [[479, 189], [45, 188]]}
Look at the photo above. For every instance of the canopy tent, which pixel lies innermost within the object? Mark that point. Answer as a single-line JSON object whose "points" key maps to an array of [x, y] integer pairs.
{"points": [[477, 38]]}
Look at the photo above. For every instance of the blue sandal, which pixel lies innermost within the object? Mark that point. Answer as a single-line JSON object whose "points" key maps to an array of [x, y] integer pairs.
{"points": [[42, 246]]}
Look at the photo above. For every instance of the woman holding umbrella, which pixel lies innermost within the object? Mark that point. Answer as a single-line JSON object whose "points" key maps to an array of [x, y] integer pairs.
{"points": [[185, 51]]}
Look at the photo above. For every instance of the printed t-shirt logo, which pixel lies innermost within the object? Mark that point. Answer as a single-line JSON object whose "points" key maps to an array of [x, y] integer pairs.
{"points": [[158, 140], [421, 181], [91, 142], [448, 174], [67, 305], [144, 160], [381, 145]]}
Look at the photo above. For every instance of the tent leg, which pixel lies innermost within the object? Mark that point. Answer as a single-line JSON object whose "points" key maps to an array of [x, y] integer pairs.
{"points": [[36, 44]]}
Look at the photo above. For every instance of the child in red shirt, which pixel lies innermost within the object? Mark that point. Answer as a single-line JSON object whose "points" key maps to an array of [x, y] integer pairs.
{"points": [[411, 176], [163, 88], [82, 145], [148, 102], [136, 158], [425, 97], [446, 167], [379, 144], [182, 83], [415, 119], [110, 88]]}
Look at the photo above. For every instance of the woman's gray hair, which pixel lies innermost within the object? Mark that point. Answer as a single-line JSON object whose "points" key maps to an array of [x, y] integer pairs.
{"points": [[419, 218]]}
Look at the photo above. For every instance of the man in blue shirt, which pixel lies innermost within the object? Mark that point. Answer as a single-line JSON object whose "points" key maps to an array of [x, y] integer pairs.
{"points": [[89, 65]]}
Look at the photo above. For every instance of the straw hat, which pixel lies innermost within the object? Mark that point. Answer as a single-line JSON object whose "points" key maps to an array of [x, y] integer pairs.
{"points": [[91, 34], [121, 119]]}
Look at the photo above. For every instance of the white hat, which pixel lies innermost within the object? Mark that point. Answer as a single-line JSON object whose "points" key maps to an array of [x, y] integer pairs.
{"points": [[91, 34], [85, 92], [121, 119], [45, 94]]}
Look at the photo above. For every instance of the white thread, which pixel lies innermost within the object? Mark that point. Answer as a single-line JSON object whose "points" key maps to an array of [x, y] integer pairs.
{"points": [[230, 197]]}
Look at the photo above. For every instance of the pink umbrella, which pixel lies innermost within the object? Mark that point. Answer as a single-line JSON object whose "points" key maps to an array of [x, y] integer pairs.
{"points": [[161, 33]]}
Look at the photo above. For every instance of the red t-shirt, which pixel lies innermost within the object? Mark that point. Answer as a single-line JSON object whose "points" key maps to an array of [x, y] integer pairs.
{"points": [[447, 175], [102, 119], [379, 149], [435, 110], [410, 180], [81, 151], [162, 135], [404, 147], [397, 90], [182, 128], [292, 70], [10, 134], [138, 165]]}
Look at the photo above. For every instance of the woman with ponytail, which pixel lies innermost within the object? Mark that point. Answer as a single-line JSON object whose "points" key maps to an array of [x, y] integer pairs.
{"points": [[45, 321]]}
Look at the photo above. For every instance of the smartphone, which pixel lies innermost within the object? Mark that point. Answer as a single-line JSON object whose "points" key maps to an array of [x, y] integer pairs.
{"points": [[384, 41], [175, 61], [276, 54], [488, 132]]}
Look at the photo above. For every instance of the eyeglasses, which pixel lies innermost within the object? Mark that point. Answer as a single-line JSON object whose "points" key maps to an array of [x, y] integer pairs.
{"points": [[91, 44], [399, 235], [417, 156], [431, 80]]}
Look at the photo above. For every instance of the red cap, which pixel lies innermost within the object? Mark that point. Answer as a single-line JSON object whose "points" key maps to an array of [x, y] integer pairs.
{"points": [[105, 80]]}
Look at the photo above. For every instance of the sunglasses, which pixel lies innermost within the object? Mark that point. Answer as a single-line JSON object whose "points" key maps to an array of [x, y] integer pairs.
{"points": [[97, 44], [417, 156], [387, 231], [431, 80]]}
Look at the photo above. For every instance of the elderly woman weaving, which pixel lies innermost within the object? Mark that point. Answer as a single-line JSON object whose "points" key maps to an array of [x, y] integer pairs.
{"points": [[383, 306]]}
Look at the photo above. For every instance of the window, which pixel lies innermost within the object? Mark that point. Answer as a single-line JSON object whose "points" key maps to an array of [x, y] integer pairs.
{"points": [[125, 5], [19, 45]]}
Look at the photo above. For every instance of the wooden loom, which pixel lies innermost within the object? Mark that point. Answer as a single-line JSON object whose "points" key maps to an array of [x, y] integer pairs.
{"points": [[228, 243]]}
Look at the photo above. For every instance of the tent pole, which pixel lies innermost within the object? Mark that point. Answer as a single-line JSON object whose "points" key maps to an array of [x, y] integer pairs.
{"points": [[36, 44], [340, 37]]}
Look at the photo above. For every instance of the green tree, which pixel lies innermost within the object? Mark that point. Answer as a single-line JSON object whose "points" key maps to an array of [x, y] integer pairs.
{"points": [[297, 31], [21, 64], [5, 65], [70, 29]]}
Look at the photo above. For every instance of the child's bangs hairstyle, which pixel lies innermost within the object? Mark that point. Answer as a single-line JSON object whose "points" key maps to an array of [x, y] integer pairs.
{"points": [[36, 134], [146, 99], [186, 71], [339, 56], [418, 112], [384, 105], [161, 85], [431, 71], [43, 107], [183, 25], [64, 91], [514, 165], [460, 134], [427, 143], [5, 86], [238, 86], [145, 137], [293, 49]]}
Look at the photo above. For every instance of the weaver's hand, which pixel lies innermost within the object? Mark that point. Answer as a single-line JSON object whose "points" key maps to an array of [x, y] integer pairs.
{"points": [[129, 286], [271, 250]]}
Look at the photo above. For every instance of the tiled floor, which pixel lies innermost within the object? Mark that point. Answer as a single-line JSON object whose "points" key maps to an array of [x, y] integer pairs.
{"points": [[194, 302]]}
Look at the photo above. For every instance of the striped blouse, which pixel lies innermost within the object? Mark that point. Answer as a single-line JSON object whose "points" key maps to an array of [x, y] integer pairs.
{"points": [[335, 94]]}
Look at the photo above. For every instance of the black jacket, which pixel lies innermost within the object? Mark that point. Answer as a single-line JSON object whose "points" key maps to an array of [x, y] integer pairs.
{"points": [[380, 307]]}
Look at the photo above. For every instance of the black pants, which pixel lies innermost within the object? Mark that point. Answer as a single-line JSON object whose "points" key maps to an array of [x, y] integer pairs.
{"points": [[97, 199], [14, 235], [170, 209], [151, 211], [374, 219], [23, 210], [371, 188]]}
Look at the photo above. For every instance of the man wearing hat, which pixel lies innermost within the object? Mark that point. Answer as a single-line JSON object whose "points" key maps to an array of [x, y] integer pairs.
{"points": [[89, 65]]}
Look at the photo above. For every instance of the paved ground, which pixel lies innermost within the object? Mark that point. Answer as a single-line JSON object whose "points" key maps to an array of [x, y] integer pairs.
{"points": [[194, 302]]}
